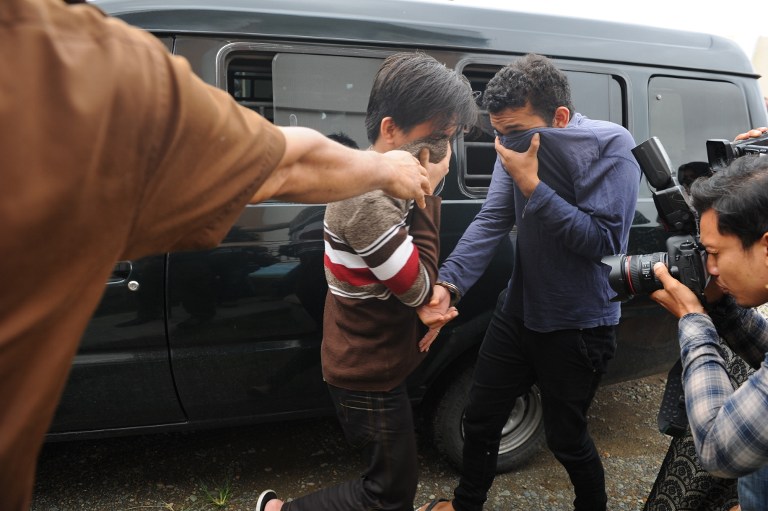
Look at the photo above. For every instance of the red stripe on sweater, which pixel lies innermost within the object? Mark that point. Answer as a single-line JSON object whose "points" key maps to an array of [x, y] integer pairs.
{"points": [[404, 279], [399, 284], [355, 277]]}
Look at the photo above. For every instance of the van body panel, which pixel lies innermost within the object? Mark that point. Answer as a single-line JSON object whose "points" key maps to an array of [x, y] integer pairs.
{"points": [[426, 25]]}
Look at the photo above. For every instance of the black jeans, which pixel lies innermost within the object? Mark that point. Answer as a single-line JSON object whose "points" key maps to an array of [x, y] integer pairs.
{"points": [[381, 424], [567, 365]]}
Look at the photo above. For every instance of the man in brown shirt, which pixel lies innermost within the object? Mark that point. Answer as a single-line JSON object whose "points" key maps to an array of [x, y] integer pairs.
{"points": [[110, 148]]}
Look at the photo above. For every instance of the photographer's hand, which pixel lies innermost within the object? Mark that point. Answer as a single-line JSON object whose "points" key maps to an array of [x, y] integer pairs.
{"points": [[675, 297], [522, 167], [753, 133]]}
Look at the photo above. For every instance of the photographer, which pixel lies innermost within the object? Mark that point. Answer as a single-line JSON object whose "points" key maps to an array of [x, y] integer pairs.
{"points": [[728, 426]]}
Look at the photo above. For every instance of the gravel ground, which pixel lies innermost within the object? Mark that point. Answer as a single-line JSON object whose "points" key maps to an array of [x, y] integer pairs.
{"points": [[189, 471]]}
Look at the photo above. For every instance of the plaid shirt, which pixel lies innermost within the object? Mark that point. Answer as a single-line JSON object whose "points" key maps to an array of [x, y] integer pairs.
{"points": [[730, 427]]}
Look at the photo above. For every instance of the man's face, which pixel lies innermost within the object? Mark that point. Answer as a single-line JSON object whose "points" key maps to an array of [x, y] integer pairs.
{"points": [[425, 133], [512, 120], [740, 273]]}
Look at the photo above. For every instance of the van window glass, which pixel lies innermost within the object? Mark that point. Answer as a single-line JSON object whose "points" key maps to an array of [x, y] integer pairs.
{"points": [[598, 96], [249, 80], [683, 115], [328, 93], [324, 92]]}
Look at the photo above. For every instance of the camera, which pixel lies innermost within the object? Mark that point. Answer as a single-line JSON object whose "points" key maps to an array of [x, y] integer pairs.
{"points": [[721, 153], [632, 275]]}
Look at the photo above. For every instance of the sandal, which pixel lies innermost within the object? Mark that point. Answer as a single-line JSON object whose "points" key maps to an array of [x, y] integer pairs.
{"points": [[433, 503]]}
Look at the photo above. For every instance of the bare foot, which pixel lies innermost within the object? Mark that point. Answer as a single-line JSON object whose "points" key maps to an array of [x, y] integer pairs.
{"points": [[274, 505]]}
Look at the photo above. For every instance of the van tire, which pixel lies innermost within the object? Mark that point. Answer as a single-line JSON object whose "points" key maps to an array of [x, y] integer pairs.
{"points": [[522, 437]]}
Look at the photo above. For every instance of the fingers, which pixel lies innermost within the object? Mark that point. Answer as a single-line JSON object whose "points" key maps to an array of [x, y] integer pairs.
{"points": [[421, 202], [426, 186], [662, 273], [675, 297], [428, 339], [435, 323], [533, 149], [409, 179], [434, 319], [500, 149], [424, 156], [753, 133]]}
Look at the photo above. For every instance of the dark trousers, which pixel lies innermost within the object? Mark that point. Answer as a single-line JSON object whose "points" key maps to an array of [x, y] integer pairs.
{"points": [[381, 424], [567, 365]]}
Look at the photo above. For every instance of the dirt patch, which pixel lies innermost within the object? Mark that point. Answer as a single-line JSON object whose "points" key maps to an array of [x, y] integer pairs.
{"points": [[188, 471]]}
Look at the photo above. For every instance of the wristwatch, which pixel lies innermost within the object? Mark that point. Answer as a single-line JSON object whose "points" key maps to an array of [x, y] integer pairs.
{"points": [[452, 290]]}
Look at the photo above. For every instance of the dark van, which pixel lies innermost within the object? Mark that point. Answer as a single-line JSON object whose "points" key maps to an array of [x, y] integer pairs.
{"points": [[231, 335]]}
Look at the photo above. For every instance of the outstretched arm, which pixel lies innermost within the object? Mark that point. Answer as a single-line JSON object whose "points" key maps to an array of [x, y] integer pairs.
{"points": [[315, 169]]}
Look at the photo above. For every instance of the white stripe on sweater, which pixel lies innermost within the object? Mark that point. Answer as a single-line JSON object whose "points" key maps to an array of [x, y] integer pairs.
{"points": [[360, 295]]}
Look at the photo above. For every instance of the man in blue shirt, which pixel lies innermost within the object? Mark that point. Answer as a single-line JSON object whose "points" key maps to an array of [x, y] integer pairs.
{"points": [[570, 185], [728, 425]]}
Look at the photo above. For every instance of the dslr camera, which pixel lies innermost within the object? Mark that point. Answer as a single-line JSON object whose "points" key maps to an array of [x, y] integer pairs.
{"points": [[632, 275]]}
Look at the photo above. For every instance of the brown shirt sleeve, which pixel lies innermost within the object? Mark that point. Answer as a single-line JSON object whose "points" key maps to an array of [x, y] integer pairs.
{"points": [[210, 157], [109, 146]]}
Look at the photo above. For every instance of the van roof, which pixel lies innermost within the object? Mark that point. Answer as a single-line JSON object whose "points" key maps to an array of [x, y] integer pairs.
{"points": [[414, 24]]}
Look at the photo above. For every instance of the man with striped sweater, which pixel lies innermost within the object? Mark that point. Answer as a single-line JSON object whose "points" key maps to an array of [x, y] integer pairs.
{"points": [[381, 256]]}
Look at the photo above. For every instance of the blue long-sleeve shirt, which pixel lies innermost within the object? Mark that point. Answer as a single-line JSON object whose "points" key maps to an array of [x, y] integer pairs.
{"points": [[581, 211]]}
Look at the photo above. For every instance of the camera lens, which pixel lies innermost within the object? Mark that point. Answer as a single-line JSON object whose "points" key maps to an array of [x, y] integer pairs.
{"points": [[632, 275]]}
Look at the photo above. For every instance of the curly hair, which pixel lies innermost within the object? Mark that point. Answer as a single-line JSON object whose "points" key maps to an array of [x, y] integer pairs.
{"points": [[532, 79]]}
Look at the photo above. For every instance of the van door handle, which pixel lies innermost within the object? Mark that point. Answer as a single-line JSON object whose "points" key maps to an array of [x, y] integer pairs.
{"points": [[120, 273]]}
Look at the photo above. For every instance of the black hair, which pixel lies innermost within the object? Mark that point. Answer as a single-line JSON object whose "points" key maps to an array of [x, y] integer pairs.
{"points": [[533, 80], [689, 172], [739, 196], [414, 88], [343, 139]]}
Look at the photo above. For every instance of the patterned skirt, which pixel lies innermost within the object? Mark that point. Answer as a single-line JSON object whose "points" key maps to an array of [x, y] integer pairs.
{"points": [[681, 484]]}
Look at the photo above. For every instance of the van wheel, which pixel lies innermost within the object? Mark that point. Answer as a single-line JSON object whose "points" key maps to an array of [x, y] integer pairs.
{"points": [[521, 438]]}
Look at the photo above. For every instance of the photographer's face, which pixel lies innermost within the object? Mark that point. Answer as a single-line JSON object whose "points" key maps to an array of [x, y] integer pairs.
{"points": [[740, 273]]}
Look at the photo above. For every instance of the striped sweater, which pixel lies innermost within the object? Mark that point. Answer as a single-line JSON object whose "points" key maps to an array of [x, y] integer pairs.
{"points": [[379, 266]]}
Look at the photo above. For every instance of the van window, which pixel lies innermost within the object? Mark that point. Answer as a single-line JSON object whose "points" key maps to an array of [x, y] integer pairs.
{"points": [[683, 115], [249, 81], [328, 93], [596, 95]]}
